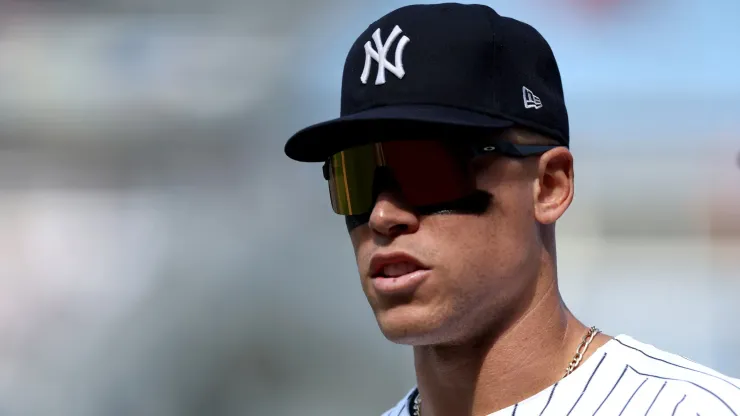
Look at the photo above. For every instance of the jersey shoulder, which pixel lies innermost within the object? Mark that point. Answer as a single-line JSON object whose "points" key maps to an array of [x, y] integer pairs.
{"points": [[651, 357], [402, 407], [695, 388]]}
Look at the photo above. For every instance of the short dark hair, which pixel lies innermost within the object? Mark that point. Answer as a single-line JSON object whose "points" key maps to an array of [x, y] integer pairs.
{"points": [[523, 136]]}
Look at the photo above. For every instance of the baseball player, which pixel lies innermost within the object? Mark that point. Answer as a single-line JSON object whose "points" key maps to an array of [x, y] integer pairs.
{"points": [[450, 165]]}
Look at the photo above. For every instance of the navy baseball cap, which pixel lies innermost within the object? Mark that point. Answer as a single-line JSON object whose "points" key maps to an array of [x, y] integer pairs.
{"points": [[442, 64]]}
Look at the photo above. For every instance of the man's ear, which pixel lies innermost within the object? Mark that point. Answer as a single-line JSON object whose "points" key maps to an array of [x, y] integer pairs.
{"points": [[554, 185]]}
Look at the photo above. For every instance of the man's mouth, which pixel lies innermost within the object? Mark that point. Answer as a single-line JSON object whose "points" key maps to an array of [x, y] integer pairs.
{"points": [[394, 264], [397, 269], [397, 273]]}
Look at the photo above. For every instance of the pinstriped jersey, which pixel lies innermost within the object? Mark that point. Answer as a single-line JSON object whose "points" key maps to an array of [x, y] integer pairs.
{"points": [[626, 377]]}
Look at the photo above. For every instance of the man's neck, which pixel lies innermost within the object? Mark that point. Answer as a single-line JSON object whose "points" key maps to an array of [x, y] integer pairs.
{"points": [[504, 368]]}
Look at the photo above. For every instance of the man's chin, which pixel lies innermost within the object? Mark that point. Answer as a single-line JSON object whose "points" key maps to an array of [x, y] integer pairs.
{"points": [[410, 338], [407, 329]]}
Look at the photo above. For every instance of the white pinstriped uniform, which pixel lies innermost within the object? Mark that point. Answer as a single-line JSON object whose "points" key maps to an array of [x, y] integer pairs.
{"points": [[626, 377]]}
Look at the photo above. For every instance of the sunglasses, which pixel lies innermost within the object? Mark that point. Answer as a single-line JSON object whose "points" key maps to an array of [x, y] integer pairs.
{"points": [[422, 172]]}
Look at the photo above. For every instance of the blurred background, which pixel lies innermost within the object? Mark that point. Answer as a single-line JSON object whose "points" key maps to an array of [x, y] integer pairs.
{"points": [[160, 256]]}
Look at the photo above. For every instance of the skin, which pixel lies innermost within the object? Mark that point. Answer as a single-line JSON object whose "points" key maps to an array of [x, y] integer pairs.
{"points": [[488, 326]]}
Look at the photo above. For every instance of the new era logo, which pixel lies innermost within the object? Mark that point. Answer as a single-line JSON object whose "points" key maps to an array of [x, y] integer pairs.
{"points": [[380, 53], [531, 100]]}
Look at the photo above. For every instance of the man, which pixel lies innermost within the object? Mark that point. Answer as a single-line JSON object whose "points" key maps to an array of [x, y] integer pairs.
{"points": [[450, 163]]}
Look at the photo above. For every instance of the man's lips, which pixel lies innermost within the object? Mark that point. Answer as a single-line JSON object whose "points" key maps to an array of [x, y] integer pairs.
{"points": [[394, 264], [398, 269], [397, 273]]}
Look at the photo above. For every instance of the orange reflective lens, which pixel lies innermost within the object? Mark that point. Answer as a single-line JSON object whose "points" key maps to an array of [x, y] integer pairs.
{"points": [[421, 172]]}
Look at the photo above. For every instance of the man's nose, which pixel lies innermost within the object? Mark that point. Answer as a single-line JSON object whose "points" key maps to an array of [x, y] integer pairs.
{"points": [[390, 217]]}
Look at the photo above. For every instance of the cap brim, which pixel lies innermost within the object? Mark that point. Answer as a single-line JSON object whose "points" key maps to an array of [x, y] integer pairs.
{"points": [[316, 143]]}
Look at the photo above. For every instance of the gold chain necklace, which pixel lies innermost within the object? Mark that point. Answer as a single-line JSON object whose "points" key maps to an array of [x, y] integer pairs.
{"points": [[582, 347]]}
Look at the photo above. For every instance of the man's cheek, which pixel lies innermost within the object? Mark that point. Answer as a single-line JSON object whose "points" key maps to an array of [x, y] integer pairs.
{"points": [[358, 237]]}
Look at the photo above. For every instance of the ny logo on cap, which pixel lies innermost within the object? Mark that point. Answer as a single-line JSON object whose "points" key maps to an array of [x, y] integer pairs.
{"points": [[380, 53]]}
